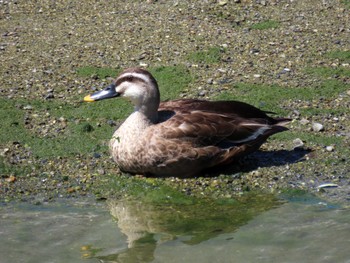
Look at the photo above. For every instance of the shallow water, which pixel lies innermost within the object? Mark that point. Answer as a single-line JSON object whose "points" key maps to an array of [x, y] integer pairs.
{"points": [[237, 232]]}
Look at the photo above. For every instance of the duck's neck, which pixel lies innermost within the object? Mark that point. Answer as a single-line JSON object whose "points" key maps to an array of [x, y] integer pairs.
{"points": [[150, 115], [137, 122], [148, 110]]}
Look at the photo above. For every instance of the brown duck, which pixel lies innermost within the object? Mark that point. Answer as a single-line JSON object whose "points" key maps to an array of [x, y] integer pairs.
{"points": [[181, 137]]}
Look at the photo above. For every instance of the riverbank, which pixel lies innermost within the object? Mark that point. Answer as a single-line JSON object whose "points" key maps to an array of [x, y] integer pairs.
{"points": [[287, 57]]}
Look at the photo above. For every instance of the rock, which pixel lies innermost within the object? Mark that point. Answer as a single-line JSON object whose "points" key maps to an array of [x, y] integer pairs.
{"points": [[202, 93], [304, 121], [223, 2], [49, 96], [3, 153], [296, 113], [11, 179], [101, 171], [317, 127], [96, 155], [327, 185], [144, 65], [28, 107], [330, 148], [111, 123], [298, 143]]}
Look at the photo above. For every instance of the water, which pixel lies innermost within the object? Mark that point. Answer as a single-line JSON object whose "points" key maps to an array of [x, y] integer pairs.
{"points": [[258, 230], [59, 232]]}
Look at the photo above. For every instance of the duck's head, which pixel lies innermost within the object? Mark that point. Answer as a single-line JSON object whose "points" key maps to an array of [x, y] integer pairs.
{"points": [[136, 85]]}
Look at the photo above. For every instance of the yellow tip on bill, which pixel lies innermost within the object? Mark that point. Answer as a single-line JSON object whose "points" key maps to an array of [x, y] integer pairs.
{"points": [[88, 98]]}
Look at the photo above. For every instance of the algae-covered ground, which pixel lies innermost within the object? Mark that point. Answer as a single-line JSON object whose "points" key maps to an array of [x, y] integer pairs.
{"points": [[289, 57]]}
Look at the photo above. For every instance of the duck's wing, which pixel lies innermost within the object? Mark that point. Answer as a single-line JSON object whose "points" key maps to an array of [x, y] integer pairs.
{"points": [[193, 135], [216, 121], [233, 108], [209, 128]]}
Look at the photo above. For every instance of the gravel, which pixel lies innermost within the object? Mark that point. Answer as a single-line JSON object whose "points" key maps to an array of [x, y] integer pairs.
{"points": [[43, 43]]}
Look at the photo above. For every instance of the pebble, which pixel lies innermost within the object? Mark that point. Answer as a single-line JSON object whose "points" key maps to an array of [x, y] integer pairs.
{"points": [[28, 107], [298, 143], [101, 171], [330, 148], [210, 81], [317, 127], [304, 121], [49, 96], [223, 2], [111, 123], [11, 179], [96, 155], [202, 93], [3, 153], [327, 185]]}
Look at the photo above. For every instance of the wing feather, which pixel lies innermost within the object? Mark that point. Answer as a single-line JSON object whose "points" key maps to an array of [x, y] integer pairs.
{"points": [[207, 123]]}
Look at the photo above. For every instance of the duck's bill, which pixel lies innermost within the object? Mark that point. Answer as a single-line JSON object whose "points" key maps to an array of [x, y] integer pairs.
{"points": [[107, 93]]}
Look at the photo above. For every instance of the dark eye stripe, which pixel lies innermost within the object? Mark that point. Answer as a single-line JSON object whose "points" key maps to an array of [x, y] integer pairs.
{"points": [[129, 79]]}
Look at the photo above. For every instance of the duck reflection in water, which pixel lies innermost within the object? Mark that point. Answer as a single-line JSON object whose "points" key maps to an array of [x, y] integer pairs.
{"points": [[149, 226]]}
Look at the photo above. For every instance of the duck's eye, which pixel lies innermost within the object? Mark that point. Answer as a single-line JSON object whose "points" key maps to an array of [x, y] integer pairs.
{"points": [[112, 86]]}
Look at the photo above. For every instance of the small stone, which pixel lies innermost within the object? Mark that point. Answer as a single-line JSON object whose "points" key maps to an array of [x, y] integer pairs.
{"points": [[202, 93], [71, 190], [28, 107], [254, 51], [330, 148], [6, 150], [223, 2], [111, 123], [298, 143], [101, 171], [296, 113], [304, 121], [49, 96], [327, 185], [257, 75], [317, 127], [11, 179], [96, 155]]}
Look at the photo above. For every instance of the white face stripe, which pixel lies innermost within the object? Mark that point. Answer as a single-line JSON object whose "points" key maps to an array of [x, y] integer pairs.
{"points": [[136, 75]]}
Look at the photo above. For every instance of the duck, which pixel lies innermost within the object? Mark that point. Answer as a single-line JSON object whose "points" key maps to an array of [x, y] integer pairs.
{"points": [[182, 137]]}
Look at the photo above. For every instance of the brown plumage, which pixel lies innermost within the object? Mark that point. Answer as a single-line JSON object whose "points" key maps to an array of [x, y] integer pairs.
{"points": [[182, 137]]}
